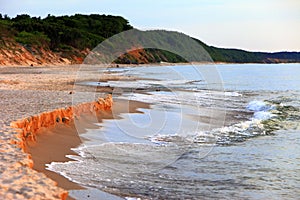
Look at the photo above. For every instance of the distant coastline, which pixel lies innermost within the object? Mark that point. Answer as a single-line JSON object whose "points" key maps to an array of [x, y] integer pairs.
{"points": [[67, 40]]}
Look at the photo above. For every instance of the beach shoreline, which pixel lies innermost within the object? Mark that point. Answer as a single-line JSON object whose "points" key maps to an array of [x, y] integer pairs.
{"points": [[31, 91], [33, 129], [115, 65], [55, 143], [25, 93]]}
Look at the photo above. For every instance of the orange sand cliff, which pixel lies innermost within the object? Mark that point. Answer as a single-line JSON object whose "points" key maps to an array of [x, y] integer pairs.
{"points": [[15, 54], [28, 127]]}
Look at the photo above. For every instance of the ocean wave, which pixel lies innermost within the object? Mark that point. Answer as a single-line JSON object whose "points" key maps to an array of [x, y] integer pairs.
{"points": [[259, 106], [267, 118], [233, 94]]}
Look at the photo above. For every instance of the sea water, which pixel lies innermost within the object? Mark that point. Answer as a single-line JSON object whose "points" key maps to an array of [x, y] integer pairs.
{"points": [[212, 131]]}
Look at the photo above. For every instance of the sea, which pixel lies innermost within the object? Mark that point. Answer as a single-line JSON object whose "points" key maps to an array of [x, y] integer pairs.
{"points": [[223, 131]]}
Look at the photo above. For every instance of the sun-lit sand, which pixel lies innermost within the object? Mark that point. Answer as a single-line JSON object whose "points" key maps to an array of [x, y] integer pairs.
{"points": [[26, 93]]}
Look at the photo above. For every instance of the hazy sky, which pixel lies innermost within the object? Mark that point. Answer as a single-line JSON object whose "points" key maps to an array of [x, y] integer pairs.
{"points": [[256, 25]]}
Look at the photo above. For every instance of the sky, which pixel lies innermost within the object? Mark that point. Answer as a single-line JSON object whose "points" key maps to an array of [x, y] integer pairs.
{"points": [[254, 25]]}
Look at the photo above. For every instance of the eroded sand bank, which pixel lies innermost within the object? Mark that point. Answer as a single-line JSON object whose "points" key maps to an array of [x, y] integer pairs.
{"points": [[26, 92], [53, 144]]}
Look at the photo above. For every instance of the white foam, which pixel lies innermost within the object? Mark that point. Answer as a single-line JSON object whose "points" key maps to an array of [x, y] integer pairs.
{"points": [[57, 168], [263, 115], [225, 134], [259, 106], [261, 110], [132, 198], [233, 94]]}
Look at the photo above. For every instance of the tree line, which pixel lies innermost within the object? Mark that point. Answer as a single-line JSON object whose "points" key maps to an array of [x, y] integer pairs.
{"points": [[78, 32], [63, 32]]}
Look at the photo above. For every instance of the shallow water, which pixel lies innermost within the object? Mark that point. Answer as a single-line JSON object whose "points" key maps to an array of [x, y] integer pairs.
{"points": [[232, 133]]}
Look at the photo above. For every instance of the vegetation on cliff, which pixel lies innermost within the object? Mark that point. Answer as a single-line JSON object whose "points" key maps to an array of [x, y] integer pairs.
{"points": [[64, 32], [73, 37]]}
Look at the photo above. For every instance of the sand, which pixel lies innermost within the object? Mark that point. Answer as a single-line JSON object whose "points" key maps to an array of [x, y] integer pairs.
{"points": [[54, 144], [29, 91], [18, 180]]}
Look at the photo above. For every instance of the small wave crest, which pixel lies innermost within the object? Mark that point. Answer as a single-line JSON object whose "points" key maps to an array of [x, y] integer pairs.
{"points": [[257, 106], [262, 110], [233, 94], [239, 132]]}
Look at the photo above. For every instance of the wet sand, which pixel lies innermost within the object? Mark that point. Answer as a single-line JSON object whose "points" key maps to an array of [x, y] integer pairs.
{"points": [[29, 91], [54, 144]]}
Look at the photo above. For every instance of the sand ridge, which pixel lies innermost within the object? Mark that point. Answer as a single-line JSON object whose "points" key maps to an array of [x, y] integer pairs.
{"points": [[23, 96]]}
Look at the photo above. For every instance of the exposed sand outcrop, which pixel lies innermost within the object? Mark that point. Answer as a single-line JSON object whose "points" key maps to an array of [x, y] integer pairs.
{"points": [[29, 126], [25, 92], [15, 54], [27, 129]]}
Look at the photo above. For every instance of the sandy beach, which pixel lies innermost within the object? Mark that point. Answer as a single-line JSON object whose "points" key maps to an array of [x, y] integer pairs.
{"points": [[29, 91], [61, 138]]}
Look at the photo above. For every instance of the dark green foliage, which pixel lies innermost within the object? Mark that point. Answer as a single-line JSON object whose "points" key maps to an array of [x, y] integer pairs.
{"points": [[71, 34], [241, 56], [165, 56], [34, 38], [78, 31], [5, 28], [289, 56]]}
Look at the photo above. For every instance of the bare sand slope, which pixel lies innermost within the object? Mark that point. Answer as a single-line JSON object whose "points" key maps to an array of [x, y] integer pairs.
{"points": [[26, 92]]}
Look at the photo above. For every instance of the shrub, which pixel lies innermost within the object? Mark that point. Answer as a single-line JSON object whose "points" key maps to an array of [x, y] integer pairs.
{"points": [[35, 38]]}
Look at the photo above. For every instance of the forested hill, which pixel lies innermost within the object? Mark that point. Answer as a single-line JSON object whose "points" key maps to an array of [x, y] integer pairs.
{"points": [[241, 56], [68, 39]]}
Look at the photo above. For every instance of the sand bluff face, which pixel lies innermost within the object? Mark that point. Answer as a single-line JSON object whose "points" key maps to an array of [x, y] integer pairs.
{"points": [[28, 127]]}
